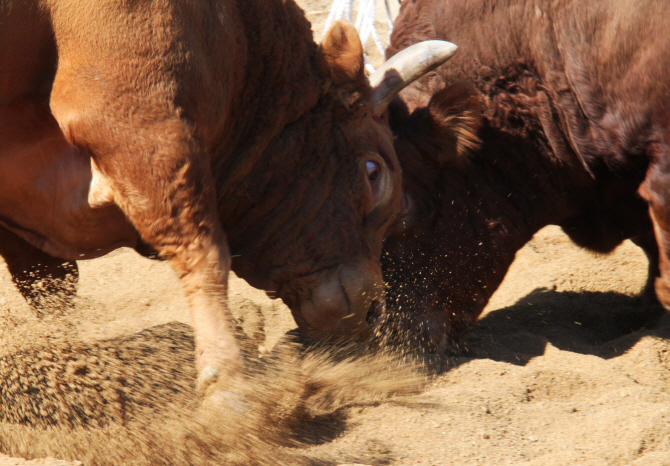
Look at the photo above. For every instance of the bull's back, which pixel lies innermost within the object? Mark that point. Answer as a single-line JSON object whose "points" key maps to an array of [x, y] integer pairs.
{"points": [[610, 39], [603, 66], [616, 56]]}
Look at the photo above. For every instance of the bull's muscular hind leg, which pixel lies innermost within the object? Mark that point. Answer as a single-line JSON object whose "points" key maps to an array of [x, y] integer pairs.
{"points": [[47, 283]]}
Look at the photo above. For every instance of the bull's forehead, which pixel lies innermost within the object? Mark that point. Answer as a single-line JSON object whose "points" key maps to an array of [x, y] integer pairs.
{"points": [[314, 213], [370, 133]]}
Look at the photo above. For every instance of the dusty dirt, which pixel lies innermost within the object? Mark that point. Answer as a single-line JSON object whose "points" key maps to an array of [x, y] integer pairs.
{"points": [[566, 367]]}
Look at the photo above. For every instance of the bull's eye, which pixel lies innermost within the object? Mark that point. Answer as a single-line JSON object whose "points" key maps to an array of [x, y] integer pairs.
{"points": [[378, 178], [372, 169]]}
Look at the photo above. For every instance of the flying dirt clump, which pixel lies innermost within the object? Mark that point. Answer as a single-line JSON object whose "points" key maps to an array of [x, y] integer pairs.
{"points": [[72, 384], [132, 400]]}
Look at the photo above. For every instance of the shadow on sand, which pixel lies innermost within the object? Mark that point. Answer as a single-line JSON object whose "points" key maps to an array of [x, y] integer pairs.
{"points": [[601, 324]]}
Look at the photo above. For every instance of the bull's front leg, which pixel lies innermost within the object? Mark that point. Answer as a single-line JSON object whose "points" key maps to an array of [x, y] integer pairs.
{"points": [[162, 181], [204, 272], [116, 100], [182, 224]]}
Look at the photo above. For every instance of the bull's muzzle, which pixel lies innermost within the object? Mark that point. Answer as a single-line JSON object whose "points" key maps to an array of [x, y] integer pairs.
{"points": [[344, 303]]}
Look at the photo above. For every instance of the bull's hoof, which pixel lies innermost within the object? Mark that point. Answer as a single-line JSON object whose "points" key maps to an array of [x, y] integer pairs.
{"points": [[226, 400], [219, 393], [209, 375], [207, 379]]}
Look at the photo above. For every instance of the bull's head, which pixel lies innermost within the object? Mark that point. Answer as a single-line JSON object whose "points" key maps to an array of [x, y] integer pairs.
{"points": [[323, 235], [436, 259]]}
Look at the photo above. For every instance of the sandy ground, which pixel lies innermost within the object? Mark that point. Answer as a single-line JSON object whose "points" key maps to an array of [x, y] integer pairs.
{"points": [[566, 367]]}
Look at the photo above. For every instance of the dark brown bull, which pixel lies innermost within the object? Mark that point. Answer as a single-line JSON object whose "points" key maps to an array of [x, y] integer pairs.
{"points": [[551, 113], [196, 129]]}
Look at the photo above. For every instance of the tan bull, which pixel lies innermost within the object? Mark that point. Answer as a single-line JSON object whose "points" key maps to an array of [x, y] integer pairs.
{"points": [[200, 129]]}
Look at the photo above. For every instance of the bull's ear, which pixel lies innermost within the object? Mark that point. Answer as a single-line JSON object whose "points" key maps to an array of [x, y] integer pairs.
{"points": [[454, 119], [341, 63]]}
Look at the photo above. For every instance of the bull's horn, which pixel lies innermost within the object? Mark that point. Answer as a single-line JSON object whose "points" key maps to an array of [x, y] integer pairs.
{"points": [[405, 67]]}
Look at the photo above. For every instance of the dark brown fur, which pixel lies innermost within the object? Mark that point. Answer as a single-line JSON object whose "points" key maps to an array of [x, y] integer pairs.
{"points": [[575, 104]]}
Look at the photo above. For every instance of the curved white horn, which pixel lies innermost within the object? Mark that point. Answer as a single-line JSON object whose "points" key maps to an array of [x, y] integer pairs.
{"points": [[405, 67]]}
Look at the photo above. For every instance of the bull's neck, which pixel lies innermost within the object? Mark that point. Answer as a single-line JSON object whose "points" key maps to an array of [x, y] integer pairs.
{"points": [[278, 86], [514, 189], [507, 192], [481, 215]]}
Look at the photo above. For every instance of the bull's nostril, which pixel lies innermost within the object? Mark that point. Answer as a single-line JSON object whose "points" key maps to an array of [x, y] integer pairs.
{"points": [[374, 313]]}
